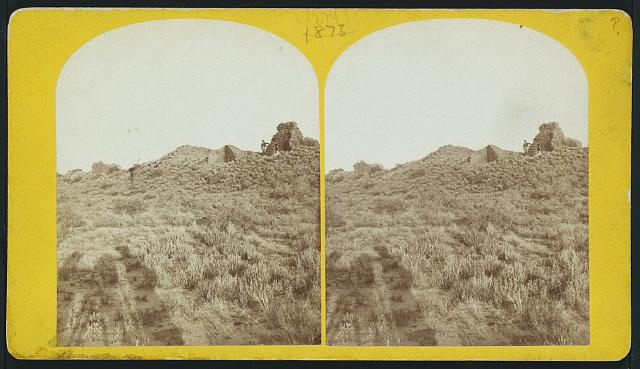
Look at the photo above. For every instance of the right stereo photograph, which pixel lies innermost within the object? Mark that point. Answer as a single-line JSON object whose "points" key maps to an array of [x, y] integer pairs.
{"points": [[457, 188]]}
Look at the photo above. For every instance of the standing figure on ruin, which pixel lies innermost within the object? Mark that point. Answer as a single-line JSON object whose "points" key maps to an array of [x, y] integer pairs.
{"points": [[525, 147], [263, 146]]}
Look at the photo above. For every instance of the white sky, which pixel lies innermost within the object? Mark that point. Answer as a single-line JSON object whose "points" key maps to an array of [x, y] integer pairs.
{"points": [[138, 92], [402, 92]]}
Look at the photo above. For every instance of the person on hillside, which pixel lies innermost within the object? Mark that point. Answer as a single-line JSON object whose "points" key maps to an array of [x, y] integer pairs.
{"points": [[263, 146], [525, 146], [131, 170], [277, 150]]}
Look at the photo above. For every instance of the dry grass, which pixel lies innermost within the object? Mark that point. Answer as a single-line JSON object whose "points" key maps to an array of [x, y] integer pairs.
{"points": [[504, 246], [176, 259]]}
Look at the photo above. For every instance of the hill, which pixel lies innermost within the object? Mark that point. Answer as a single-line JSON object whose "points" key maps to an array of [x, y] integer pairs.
{"points": [[461, 247], [199, 247]]}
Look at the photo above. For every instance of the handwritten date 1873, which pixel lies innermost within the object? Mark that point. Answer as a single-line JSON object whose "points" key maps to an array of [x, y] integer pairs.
{"points": [[325, 31]]}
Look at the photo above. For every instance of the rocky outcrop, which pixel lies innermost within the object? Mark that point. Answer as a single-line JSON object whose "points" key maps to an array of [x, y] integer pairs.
{"points": [[487, 154], [362, 167], [450, 154], [229, 155], [101, 168], [494, 153]]}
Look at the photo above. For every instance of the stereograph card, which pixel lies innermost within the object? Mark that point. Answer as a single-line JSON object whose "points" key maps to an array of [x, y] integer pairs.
{"points": [[319, 184]]}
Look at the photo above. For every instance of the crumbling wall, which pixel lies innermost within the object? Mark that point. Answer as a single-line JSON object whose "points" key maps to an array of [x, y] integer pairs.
{"points": [[287, 138], [229, 155], [549, 137], [494, 153], [533, 150], [310, 142], [487, 154]]}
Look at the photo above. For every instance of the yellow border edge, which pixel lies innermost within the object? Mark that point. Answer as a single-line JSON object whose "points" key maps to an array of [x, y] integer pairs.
{"points": [[40, 41]]}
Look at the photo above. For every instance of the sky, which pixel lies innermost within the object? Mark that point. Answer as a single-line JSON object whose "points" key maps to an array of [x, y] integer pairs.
{"points": [[404, 91], [136, 93]]}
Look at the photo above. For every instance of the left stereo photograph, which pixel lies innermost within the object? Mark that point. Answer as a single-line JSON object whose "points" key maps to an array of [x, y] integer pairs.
{"points": [[188, 175]]}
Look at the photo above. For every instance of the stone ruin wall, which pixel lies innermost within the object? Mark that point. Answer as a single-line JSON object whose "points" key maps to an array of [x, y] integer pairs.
{"points": [[550, 136], [287, 137]]}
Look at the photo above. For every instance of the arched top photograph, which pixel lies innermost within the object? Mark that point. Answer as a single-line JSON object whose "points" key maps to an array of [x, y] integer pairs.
{"points": [[137, 92], [187, 189], [406, 90], [457, 188]]}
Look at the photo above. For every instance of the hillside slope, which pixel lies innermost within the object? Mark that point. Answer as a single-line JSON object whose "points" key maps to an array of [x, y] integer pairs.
{"points": [[461, 247], [199, 247]]}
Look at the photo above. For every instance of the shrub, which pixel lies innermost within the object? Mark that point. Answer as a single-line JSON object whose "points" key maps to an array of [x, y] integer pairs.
{"points": [[549, 323], [69, 218], [69, 266], [402, 280], [389, 205], [333, 218], [294, 323], [447, 275], [66, 219], [100, 168], [362, 270], [478, 178], [129, 206], [474, 238], [280, 193], [362, 167], [74, 178], [420, 172], [492, 266], [338, 262], [544, 192], [468, 268], [367, 219], [575, 237], [389, 264], [147, 279], [155, 173], [104, 272], [132, 264], [402, 317]]}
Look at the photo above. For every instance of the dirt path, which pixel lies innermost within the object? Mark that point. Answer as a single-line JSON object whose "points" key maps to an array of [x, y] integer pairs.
{"points": [[378, 310], [114, 304]]}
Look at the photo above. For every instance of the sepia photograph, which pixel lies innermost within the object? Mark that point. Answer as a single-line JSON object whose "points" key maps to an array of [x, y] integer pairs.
{"points": [[457, 188], [341, 184], [188, 175]]}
